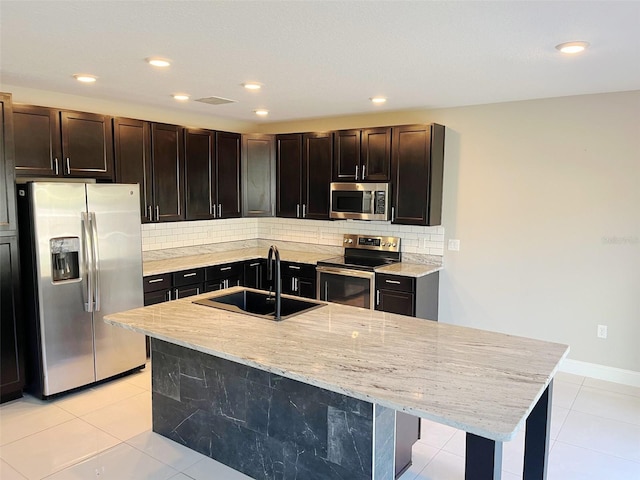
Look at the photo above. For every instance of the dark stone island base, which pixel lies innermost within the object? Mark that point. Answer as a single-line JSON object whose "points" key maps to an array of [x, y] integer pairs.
{"points": [[264, 425]]}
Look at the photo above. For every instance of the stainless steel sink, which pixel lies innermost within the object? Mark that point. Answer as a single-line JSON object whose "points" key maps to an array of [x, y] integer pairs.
{"points": [[259, 304]]}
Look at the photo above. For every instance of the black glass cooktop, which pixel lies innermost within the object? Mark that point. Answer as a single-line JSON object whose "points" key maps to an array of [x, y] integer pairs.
{"points": [[356, 262]]}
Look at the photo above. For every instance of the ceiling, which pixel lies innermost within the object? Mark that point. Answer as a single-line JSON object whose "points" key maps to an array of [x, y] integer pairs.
{"points": [[320, 58]]}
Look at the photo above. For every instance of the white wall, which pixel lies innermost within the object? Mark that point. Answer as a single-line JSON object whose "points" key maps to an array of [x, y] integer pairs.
{"points": [[545, 198]]}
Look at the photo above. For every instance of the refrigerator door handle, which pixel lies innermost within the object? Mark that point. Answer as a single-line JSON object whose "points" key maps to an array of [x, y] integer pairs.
{"points": [[96, 260], [87, 263]]}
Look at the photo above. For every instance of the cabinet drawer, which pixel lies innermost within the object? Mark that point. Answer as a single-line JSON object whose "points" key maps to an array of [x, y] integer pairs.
{"points": [[154, 283], [395, 282], [158, 296], [300, 270], [188, 277], [224, 271]]}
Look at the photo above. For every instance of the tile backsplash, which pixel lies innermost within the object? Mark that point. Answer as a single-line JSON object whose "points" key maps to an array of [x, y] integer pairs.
{"points": [[158, 236]]}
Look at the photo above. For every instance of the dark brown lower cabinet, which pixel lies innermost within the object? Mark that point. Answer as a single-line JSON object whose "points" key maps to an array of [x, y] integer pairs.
{"points": [[255, 274], [11, 355], [299, 279], [414, 297]]}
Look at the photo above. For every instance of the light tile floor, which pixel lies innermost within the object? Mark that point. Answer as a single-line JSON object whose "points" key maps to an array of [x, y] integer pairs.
{"points": [[105, 433]]}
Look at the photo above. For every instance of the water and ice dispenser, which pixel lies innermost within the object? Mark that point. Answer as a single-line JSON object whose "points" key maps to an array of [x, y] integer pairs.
{"points": [[65, 258]]}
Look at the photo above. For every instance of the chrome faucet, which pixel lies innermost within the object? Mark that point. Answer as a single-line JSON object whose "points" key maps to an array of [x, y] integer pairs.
{"points": [[277, 284]]}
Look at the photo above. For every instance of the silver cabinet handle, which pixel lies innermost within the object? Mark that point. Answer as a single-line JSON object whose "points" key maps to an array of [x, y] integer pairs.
{"points": [[224, 269], [219, 210], [395, 282], [393, 213], [55, 165], [68, 167], [197, 290], [356, 172], [169, 295], [192, 274], [157, 213], [294, 267], [96, 259], [363, 167], [304, 210], [150, 213], [377, 297], [156, 280], [211, 210], [293, 284], [176, 293], [253, 264], [297, 210]]}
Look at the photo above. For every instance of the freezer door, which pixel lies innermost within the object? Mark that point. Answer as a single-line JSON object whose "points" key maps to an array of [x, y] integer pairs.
{"points": [[114, 211], [65, 327]]}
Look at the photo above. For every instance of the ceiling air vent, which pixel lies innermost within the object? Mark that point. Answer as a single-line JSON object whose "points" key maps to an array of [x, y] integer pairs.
{"points": [[215, 100]]}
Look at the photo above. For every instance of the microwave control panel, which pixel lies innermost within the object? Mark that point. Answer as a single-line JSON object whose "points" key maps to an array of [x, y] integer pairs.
{"points": [[380, 202]]}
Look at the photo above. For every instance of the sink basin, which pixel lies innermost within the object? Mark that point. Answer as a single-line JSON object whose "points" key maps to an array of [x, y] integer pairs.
{"points": [[259, 304]]}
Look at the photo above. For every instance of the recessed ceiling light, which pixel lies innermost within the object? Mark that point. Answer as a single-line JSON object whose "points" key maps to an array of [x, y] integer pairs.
{"points": [[252, 85], [181, 96], [261, 112], [572, 47], [378, 100], [85, 77], [158, 62]]}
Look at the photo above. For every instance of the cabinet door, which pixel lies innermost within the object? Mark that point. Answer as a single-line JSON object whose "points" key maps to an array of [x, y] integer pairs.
{"points": [[38, 151], [199, 174], [306, 287], [288, 175], [168, 172], [255, 274], [11, 359], [317, 161], [132, 140], [188, 291], [394, 301], [418, 153], [159, 296], [87, 145], [346, 158], [7, 173], [228, 174], [375, 160], [258, 175]]}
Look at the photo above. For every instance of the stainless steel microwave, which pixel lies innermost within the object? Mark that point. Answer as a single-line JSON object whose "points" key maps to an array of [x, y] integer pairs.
{"points": [[360, 201]]}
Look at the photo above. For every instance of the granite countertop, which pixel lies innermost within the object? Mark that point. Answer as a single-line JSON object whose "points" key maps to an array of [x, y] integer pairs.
{"points": [[156, 267], [482, 382]]}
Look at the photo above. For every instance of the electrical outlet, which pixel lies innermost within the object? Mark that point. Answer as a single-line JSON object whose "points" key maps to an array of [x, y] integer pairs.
{"points": [[602, 331], [454, 244]]}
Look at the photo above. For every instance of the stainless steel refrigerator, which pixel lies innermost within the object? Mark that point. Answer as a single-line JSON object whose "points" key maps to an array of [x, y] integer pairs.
{"points": [[81, 259]]}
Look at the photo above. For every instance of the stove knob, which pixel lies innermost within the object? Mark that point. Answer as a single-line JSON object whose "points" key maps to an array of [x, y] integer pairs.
{"points": [[350, 240], [384, 244], [393, 244], [346, 240]]}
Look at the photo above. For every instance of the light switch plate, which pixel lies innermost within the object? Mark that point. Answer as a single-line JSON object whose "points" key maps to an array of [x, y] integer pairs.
{"points": [[454, 244]]}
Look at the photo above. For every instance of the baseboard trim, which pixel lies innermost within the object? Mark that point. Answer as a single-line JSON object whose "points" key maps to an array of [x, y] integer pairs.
{"points": [[601, 372]]}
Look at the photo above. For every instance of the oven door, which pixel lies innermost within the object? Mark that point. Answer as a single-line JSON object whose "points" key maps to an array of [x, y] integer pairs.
{"points": [[345, 286]]}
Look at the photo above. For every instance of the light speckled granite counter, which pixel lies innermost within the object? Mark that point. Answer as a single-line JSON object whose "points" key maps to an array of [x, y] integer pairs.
{"points": [[482, 382], [156, 267]]}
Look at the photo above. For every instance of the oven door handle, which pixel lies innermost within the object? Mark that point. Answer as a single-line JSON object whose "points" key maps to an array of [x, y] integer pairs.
{"points": [[346, 272]]}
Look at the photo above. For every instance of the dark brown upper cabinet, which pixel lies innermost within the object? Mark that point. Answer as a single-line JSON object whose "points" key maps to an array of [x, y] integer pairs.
{"points": [[362, 155], [418, 163], [152, 155], [7, 179], [228, 149], [51, 142], [303, 175], [132, 151], [212, 174], [258, 175]]}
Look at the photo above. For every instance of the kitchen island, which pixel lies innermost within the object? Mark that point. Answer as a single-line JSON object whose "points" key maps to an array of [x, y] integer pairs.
{"points": [[351, 368]]}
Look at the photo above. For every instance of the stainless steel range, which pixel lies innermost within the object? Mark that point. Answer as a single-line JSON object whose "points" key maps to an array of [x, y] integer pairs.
{"points": [[350, 279]]}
